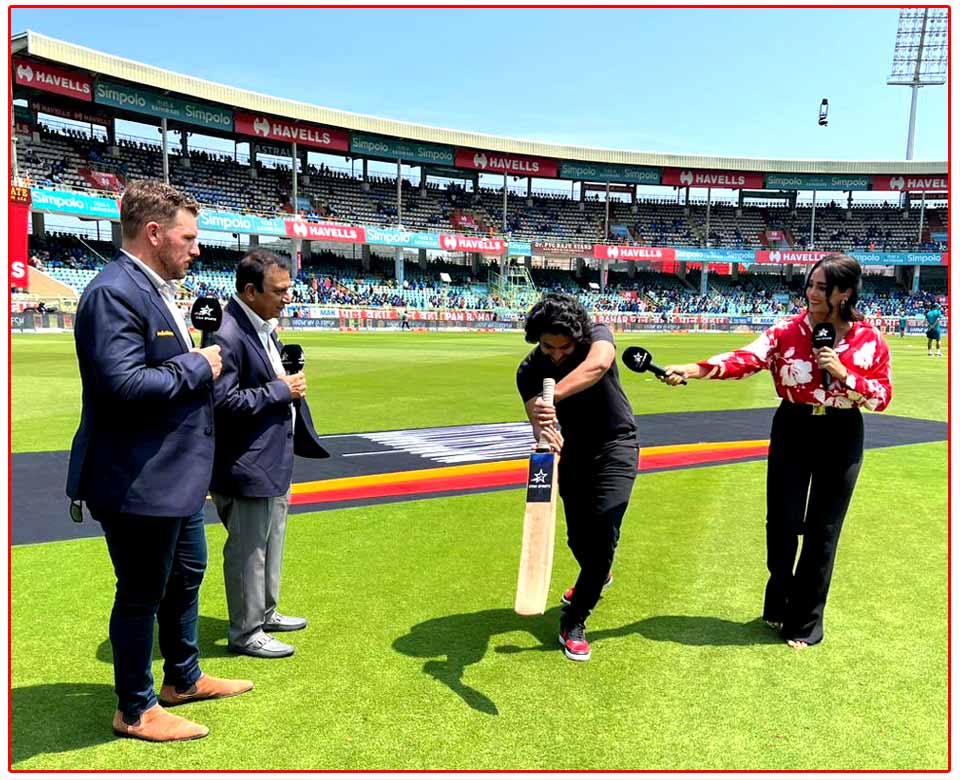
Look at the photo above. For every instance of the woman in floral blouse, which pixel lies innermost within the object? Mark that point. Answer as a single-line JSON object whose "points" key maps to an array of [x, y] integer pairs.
{"points": [[816, 441]]}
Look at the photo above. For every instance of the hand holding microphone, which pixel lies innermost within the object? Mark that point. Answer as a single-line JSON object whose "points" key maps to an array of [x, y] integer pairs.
{"points": [[293, 361], [824, 336], [639, 360], [206, 316]]}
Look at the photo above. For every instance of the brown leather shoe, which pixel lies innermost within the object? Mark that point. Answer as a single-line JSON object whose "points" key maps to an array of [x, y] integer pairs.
{"points": [[158, 725], [206, 687]]}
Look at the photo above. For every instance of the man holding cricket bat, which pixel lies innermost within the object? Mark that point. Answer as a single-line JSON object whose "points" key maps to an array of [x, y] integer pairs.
{"points": [[598, 446]]}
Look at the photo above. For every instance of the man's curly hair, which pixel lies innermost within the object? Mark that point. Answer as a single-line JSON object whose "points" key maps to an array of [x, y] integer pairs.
{"points": [[558, 313]]}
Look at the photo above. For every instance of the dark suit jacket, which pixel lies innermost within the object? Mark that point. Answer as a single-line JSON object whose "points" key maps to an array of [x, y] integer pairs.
{"points": [[255, 436], [145, 441]]}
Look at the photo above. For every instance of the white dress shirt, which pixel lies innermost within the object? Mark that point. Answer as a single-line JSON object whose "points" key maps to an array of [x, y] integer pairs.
{"points": [[168, 291], [264, 328]]}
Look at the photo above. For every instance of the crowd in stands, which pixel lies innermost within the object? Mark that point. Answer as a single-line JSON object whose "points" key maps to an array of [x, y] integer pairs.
{"points": [[328, 279], [228, 181]]}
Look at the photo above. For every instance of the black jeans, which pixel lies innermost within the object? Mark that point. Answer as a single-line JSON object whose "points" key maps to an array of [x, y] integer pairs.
{"points": [[812, 470], [595, 488], [159, 564]]}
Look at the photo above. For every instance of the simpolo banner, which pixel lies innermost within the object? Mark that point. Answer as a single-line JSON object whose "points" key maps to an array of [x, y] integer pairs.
{"points": [[626, 174], [902, 183], [18, 216], [50, 78], [395, 148], [816, 181], [76, 203], [231, 222], [512, 164], [110, 93]]}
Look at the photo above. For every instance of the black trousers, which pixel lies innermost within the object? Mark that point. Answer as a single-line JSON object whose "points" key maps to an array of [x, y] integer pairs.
{"points": [[595, 487], [812, 470]]}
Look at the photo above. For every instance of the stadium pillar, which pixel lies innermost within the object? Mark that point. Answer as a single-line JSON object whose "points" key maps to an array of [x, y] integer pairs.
{"points": [[704, 272], [735, 271], [915, 287], [504, 202], [582, 192], [296, 252], [475, 264], [184, 145], [606, 222], [813, 218], [604, 269], [422, 258], [39, 228], [788, 272], [116, 234], [365, 257], [254, 240], [579, 267], [706, 231], [529, 187], [398, 265], [307, 251], [631, 268], [294, 199], [399, 255], [163, 150]]}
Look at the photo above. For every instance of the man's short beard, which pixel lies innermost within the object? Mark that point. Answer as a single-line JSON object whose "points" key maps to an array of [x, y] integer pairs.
{"points": [[165, 258]]}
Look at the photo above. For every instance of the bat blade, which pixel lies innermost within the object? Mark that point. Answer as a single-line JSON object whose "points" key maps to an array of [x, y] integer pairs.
{"points": [[539, 530]]}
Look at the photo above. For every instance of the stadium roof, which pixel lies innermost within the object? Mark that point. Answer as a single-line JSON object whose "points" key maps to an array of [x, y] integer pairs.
{"points": [[61, 52]]}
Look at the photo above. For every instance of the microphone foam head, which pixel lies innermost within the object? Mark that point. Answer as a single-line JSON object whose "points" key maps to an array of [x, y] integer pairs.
{"points": [[206, 314], [636, 359]]}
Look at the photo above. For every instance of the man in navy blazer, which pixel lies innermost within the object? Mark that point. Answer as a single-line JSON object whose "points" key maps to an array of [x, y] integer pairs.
{"points": [[142, 457], [262, 417]]}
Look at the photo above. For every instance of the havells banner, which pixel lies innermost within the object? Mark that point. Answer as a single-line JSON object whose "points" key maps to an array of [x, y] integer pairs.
{"points": [[512, 164]]}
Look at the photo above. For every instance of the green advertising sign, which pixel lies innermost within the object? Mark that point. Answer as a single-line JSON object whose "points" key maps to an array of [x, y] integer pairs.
{"points": [[109, 93], [394, 149], [815, 181], [626, 174]]}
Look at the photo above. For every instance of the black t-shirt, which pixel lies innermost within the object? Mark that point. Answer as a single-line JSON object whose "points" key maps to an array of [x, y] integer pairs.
{"points": [[592, 417]]}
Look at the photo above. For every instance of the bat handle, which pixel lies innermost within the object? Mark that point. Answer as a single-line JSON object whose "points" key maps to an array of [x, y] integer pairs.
{"points": [[549, 385]]}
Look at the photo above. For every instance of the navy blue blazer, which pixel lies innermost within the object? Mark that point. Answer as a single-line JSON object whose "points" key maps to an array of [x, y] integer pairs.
{"points": [[145, 441], [254, 448]]}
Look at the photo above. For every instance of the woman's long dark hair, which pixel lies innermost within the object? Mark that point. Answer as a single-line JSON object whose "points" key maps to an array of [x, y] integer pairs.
{"points": [[841, 272], [558, 313]]}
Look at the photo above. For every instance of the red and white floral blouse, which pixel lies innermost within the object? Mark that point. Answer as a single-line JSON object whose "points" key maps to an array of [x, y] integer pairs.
{"points": [[787, 350]]}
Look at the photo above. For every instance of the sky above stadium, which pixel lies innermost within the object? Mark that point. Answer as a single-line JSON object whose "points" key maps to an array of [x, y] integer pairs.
{"points": [[738, 82]]}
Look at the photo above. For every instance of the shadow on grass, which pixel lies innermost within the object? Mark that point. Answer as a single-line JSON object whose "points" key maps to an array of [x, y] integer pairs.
{"points": [[59, 717], [462, 640], [211, 633]]}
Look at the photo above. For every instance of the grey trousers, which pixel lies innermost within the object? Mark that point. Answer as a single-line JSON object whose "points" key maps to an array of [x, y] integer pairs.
{"points": [[252, 557]]}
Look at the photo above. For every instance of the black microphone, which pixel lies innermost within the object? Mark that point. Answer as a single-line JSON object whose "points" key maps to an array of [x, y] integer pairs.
{"points": [[292, 358], [639, 360], [824, 335], [206, 316]]}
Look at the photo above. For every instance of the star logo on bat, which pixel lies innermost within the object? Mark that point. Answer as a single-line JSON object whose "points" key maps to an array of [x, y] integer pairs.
{"points": [[540, 477]]}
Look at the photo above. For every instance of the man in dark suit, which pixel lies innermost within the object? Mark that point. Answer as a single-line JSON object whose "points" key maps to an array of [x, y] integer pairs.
{"points": [[142, 458], [261, 416]]}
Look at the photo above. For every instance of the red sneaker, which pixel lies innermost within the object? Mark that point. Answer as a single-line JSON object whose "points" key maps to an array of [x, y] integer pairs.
{"points": [[567, 596], [574, 642]]}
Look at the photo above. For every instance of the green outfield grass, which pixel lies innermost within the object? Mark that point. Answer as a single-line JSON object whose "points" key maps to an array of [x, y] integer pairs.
{"points": [[414, 658], [381, 381]]}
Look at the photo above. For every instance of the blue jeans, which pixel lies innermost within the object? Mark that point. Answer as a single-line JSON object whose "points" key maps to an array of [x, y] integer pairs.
{"points": [[159, 564]]}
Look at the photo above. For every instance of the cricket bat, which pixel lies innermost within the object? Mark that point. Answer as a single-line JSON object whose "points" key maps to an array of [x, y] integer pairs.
{"points": [[539, 525]]}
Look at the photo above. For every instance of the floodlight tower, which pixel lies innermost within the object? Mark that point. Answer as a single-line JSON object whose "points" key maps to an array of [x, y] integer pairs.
{"points": [[920, 56]]}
